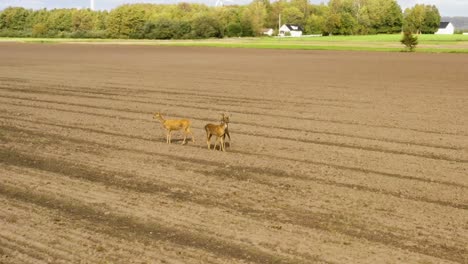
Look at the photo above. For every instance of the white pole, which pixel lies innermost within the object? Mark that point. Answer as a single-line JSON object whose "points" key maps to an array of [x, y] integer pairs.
{"points": [[92, 5], [279, 23]]}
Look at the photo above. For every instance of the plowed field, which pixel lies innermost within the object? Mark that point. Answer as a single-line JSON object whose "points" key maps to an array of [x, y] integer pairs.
{"points": [[336, 157]]}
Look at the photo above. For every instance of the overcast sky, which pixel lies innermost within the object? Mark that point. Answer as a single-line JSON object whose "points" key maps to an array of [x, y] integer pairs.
{"points": [[446, 7]]}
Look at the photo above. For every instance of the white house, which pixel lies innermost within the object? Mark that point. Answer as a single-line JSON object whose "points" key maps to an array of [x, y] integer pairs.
{"points": [[446, 28], [290, 29], [267, 31]]}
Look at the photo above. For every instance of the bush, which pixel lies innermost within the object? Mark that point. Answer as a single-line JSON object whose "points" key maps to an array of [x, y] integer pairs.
{"points": [[160, 29], [102, 34], [14, 33], [206, 27], [39, 30], [181, 29], [234, 30], [409, 41]]}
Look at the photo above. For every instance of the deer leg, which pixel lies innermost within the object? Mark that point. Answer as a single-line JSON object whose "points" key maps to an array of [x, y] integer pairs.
{"points": [[185, 138], [227, 133], [216, 143], [169, 137], [191, 134], [222, 144], [188, 132], [208, 138]]}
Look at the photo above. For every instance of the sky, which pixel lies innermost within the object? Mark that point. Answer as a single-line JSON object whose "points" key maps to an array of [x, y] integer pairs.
{"points": [[446, 7]]}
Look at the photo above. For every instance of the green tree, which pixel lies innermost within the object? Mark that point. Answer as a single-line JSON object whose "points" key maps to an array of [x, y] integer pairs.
{"points": [[385, 16], [247, 29], [83, 20], [14, 18], [431, 20], [292, 15], [206, 26], [303, 7], [39, 30], [414, 19], [234, 30], [160, 29], [60, 20], [38, 16], [114, 24], [315, 24], [332, 24], [181, 29], [127, 21], [393, 18], [421, 19], [342, 18], [253, 18], [272, 18], [348, 24]]}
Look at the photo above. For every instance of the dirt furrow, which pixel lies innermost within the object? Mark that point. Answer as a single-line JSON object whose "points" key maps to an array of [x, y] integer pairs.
{"points": [[249, 172], [128, 228], [327, 222], [250, 124], [229, 103], [264, 155], [85, 241], [109, 88], [21, 252], [276, 116], [423, 154]]}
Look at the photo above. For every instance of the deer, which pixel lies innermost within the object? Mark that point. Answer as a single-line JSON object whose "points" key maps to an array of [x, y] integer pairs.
{"points": [[219, 131], [174, 125]]}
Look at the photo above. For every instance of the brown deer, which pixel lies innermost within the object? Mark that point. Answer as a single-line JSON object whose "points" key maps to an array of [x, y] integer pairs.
{"points": [[174, 125], [219, 131]]}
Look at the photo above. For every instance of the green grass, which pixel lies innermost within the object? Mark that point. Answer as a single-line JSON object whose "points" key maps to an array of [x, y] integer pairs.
{"points": [[389, 43]]}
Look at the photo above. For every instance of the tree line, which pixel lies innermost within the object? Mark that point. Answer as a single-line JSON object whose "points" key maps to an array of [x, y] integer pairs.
{"points": [[192, 21]]}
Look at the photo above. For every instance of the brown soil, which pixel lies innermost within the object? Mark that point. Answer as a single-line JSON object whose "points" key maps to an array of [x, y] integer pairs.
{"points": [[336, 157]]}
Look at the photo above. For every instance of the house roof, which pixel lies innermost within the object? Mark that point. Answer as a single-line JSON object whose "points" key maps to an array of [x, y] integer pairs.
{"points": [[444, 24], [294, 27]]}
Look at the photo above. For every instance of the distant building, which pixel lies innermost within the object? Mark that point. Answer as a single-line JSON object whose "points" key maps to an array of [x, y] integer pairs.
{"points": [[291, 30], [267, 31], [445, 28]]}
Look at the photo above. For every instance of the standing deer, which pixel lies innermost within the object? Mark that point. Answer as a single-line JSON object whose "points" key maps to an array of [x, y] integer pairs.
{"points": [[174, 125], [219, 131]]}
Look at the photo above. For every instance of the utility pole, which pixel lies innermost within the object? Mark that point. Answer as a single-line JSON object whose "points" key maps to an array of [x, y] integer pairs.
{"points": [[279, 23], [91, 5]]}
